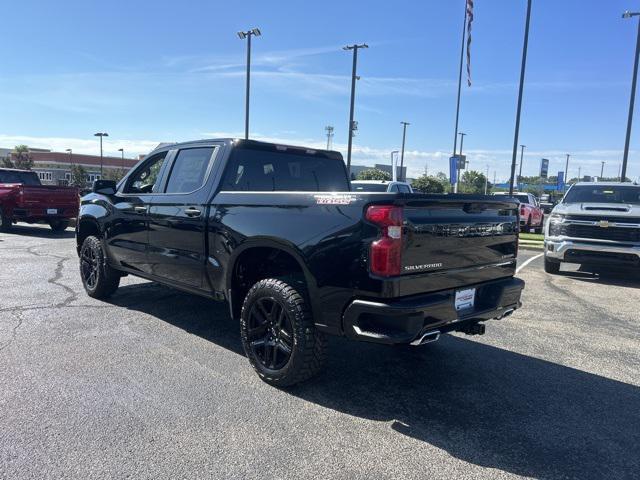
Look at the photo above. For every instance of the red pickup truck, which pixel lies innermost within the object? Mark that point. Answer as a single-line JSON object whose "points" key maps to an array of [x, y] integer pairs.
{"points": [[24, 199]]}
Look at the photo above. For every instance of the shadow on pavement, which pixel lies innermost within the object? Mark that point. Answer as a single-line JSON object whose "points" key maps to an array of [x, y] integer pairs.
{"points": [[40, 231], [481, 404], [620, 277]]}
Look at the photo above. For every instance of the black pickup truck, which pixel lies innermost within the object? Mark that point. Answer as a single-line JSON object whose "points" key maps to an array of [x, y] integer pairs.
{"points": [[275, 231]]}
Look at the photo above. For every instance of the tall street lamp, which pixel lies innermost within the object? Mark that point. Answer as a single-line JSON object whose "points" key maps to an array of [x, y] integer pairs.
{"points": [[632, 99], [520, 89], [455, 133], [394, 168], [248, 34], [70, 152], [101, 134], [121, 150], [522, 147], [404, 136], [566, 173], [355, 47], [601, 170], [455, 187], [329, 129]]}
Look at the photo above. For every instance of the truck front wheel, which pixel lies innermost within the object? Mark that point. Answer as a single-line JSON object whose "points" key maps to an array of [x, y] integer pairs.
{"points": [[278, 334], [98, 278]]}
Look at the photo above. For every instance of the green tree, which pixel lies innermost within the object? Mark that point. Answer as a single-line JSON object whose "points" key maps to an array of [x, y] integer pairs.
{"points": [[473, 182], [427, 184], [114, 174], [78, 176], [19, 158], [373, 174]]}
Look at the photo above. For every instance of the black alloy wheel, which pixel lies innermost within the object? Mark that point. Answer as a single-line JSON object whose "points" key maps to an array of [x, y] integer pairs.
{"points": [[98, 278], [89, 264], [270, 333]]}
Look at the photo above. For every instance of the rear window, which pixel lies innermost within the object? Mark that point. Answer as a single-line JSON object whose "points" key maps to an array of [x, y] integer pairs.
{"points": [[266, 171], [522, 198], [26, 178], [189, 170], [603, 194], [368, 187]]}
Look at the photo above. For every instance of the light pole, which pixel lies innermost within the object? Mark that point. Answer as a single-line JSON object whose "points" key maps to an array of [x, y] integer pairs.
{"points": [[486, 180], [455, 187], [520, 89], [522, 147], [329, 130], [455, 133], [404, 136], [601, 170], [70, 152], [101, 134], [355, 47], [248, 34], [566, 173], [579, 171], [632, 99], [121, 150], [394, 168]]}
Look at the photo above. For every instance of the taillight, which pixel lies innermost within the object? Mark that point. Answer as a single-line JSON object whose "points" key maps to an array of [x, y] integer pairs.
{"points": [[522, 210], [385, 254]]}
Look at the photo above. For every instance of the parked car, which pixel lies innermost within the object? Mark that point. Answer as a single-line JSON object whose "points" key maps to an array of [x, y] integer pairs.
{"points": [[531, 215], [547, 202], [380, 186], [275, 231], [596, 223], [24, 199]]}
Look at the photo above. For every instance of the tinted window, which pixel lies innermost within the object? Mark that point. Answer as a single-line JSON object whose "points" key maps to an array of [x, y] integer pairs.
{"points": [[603, 194], [404, 188], [369, 187], [189, 170], [266, 171], [394, 188], [26, 178], [145, 178], [522, 198]]}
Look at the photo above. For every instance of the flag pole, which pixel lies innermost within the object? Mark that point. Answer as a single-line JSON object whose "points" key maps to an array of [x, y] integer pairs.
{"points": [[455, 135], [519, 109]]}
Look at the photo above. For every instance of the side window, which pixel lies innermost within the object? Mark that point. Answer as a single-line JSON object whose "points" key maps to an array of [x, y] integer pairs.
{"points": [[394, 188], [189, 170], [145, 178], [404, 188]]}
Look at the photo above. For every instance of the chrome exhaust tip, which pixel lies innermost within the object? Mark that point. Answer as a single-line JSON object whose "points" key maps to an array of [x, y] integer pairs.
{"points": [[428, 337], [506, 313]]}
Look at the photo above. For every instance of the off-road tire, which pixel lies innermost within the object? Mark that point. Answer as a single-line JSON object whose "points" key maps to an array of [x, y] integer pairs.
{"points": [[551, 266], [103, 280], [59, 225], [308, 346]]}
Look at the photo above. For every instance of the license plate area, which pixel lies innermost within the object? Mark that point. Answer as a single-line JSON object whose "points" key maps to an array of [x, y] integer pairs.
{"points": [[52, 211], [465, 299]]}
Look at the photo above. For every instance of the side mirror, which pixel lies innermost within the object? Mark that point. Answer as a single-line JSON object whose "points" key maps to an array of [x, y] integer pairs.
{"points": [[104, 187]]}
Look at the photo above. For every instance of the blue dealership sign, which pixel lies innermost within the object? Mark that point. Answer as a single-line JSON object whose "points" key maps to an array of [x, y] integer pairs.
{"points": [[453, 170], [560, 180]]}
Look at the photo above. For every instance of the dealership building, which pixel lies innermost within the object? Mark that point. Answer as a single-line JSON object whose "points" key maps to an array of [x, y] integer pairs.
{"points": [[54, 168]]}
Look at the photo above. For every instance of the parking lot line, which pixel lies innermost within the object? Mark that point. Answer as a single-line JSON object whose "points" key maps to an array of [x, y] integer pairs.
{"points": [[527, 262]]}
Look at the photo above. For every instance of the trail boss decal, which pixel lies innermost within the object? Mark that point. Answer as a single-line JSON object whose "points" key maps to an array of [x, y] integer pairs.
{"points": [[334, 199]]}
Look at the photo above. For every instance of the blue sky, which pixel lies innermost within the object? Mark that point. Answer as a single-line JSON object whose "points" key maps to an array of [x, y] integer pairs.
{"points": [[149, 72]]}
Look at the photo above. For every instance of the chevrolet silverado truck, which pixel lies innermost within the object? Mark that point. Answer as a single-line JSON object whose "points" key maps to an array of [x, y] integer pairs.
{"points": [[276, 232], [595, 224], [24, 199]]}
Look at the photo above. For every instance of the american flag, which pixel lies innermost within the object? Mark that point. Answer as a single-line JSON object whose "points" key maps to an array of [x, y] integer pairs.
{"points": [[469, 21]]}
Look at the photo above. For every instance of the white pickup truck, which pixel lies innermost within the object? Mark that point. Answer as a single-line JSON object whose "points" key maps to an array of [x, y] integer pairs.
{"points": [[595, 223]]}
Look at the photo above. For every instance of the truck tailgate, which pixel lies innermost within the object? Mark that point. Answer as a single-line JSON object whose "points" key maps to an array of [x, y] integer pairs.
{"points": [[36, 197], [457, 232]]}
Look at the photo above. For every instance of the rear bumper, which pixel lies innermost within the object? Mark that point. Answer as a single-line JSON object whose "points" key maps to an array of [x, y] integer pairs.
{"points": [[576, 251], [39, 214], [403, 320]]}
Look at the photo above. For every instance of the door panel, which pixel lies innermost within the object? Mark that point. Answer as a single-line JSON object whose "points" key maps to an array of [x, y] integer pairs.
{"points": [[128, 234], [177, 219]]}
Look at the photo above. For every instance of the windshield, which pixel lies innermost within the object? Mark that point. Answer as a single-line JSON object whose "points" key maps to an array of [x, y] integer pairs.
{"points": [[267, 171], [26, 178], [603, 194], [522, 198], [368, 187]]}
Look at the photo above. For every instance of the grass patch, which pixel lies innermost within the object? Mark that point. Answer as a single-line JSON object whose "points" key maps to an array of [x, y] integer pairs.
{"points": [[539, 237]]}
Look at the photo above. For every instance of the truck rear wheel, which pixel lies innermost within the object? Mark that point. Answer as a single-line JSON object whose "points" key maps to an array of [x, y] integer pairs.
{"points": [[59, 225], [98, 279], [278, 334], [5, 222]]}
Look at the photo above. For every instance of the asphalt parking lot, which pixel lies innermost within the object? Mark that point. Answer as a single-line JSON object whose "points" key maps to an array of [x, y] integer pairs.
{"points": [[154, 384]]}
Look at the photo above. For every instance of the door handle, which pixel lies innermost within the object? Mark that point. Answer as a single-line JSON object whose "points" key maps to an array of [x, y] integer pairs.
{"points": [[140, 209], [192, 212]]}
